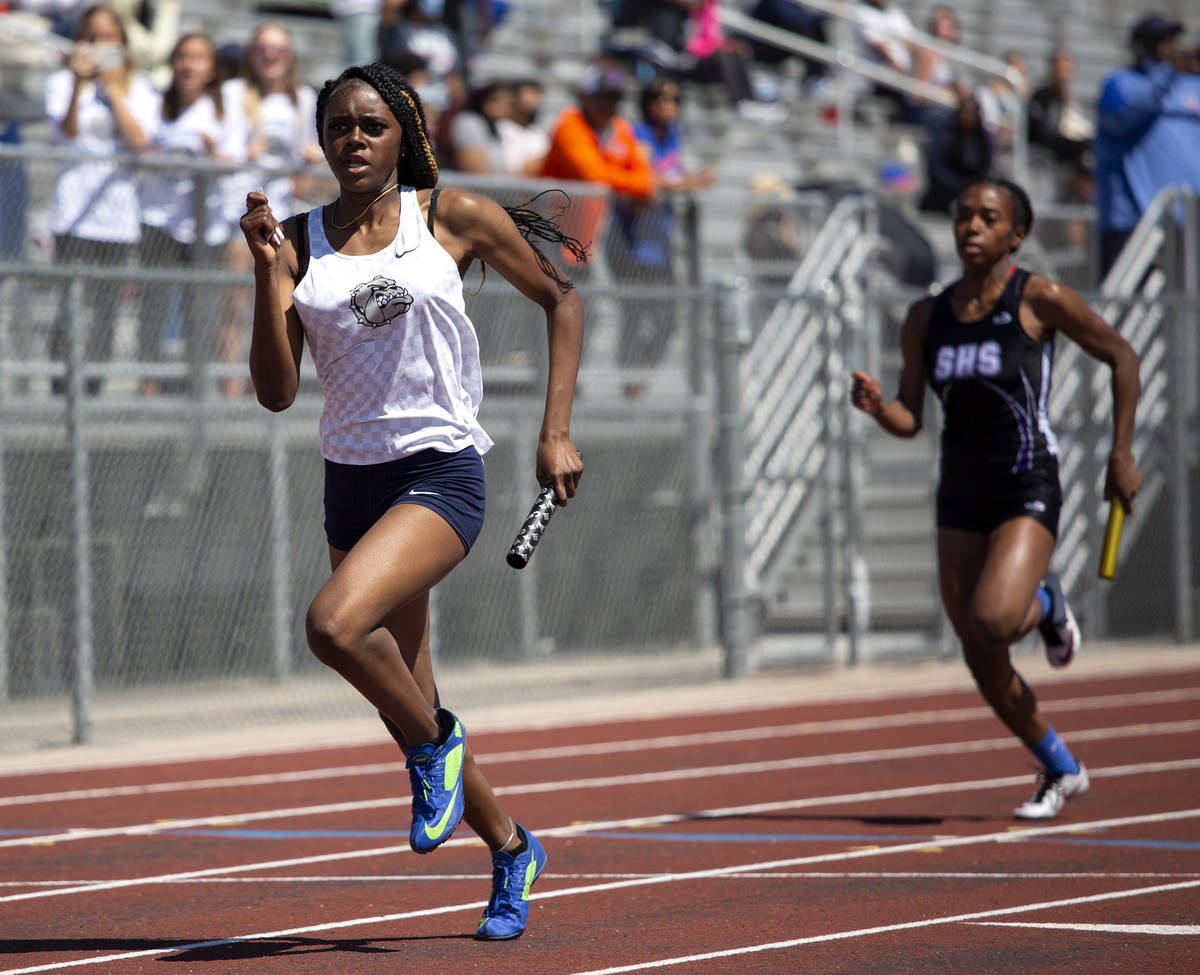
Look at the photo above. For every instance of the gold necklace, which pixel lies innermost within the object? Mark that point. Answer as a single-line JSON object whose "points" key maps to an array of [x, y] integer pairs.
{"points": [[350, 223]]}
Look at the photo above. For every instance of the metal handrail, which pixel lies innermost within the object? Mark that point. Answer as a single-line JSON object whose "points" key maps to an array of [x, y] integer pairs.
{"points": [[840, 57]]}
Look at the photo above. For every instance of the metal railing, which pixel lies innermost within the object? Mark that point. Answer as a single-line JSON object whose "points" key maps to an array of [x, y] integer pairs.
{"points": [[842, 58]]}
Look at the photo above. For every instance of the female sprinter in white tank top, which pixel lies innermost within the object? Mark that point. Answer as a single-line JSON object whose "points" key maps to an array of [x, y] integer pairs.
{"points": [[377, 296]]}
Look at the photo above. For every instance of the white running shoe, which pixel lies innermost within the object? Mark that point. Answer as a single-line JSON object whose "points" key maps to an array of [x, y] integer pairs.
{"points": [[1060, 632], [1052, 792]]}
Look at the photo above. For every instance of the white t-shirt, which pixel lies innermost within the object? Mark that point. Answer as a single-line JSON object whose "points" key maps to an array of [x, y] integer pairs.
{"points": [[470, 130], [394, 350], [96, 200], [890, 28], [522, 144], [285, 126], [167, 194]]}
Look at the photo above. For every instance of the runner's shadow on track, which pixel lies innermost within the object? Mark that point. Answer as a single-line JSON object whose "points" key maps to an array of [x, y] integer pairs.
{"points": [[276, 947], [884, 820], [237, 951]]}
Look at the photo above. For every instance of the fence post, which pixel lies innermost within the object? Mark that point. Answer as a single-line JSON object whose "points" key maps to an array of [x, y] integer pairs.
{"points": [[854, 452], [83, 678], [700, 430], [737, 598], [1183, 364], [281, 556], [830, 493]]}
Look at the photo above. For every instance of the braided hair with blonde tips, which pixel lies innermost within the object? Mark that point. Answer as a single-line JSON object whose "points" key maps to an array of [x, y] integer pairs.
{"points": [[418, 168]]}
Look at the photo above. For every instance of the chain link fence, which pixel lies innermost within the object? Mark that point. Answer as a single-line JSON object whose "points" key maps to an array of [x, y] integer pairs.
{"points": [[160, 533]]}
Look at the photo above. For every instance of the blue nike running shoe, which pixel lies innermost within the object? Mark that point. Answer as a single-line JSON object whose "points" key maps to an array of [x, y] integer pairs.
{"points": [[512, 876], [435, 772]]}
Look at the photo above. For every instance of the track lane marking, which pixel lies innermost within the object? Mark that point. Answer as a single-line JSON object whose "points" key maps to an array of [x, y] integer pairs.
{"points": [[393, 878], [734, 736], [885, 928], [601, 782], [578, 829], [1002, 837], [1160, 929]]}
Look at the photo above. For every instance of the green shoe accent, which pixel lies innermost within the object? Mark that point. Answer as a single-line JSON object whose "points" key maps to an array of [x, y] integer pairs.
{"points": [[531, 873], [454, 760], [435, 832]]}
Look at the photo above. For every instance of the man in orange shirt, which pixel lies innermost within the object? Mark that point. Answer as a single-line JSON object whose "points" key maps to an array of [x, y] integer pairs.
{"points": [[591, 142]]}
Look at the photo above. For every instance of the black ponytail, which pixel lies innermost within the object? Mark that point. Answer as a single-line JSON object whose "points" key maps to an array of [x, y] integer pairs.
{"points": [[534, 226]]}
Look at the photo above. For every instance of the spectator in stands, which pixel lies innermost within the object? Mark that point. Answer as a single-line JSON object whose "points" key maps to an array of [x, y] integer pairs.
{"points": [[1003, 105], [151, 29], [416, 27], [270, 123], [469, 23], [959, 153], [190, 122], [100, 106], [641, 240], [933, 67], [525, 142], [358, 22], [592, 142], [722, 60], [1057, 121], [662, 135], [690, 44], [794, 17], [883, 33], [1148, 134], [474, 141]]}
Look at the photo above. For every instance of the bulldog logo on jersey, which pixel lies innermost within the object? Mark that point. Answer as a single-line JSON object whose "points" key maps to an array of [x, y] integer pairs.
{"points": [[379, 301]]}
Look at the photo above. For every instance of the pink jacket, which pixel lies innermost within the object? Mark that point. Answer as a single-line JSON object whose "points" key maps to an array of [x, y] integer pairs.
{"points": [[706, 35]]}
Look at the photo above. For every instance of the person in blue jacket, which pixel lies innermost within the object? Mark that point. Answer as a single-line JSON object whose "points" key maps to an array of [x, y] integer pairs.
{"points": [[1148, 133]]}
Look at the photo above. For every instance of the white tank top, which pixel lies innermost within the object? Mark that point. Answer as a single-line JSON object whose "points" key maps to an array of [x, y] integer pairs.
{"points": [[396, 355]]}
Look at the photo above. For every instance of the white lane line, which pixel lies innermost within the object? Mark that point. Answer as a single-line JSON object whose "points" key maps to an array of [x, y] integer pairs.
{"points": [[404, 878], [882, 929], [1157, 929], [1002, 837], [762, 733], [580, 829], [600, 782]]}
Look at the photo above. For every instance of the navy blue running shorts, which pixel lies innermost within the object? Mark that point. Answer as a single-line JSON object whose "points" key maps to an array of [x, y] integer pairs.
{"points": [[449, 484], [979, 497]]}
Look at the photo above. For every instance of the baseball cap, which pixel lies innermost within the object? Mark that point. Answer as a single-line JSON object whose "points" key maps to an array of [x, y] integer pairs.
{"points": [[1154, 27], [602, 81]]}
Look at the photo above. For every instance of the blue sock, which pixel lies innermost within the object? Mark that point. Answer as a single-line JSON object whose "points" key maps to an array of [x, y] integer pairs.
{"points": [[1043, 594], [1054, 755]]}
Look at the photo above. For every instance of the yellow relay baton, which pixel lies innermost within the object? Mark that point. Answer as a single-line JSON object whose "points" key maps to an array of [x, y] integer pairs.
{"points": [[1112, 539]]}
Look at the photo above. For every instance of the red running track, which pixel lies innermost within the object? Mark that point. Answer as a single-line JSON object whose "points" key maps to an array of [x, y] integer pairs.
{"points": [[864, 836]]}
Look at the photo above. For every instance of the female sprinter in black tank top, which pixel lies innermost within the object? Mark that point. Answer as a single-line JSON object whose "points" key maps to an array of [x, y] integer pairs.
{"points": [[985, 346]]}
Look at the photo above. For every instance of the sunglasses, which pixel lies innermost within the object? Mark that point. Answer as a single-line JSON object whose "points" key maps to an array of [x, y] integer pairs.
{"points": [[268, 49]]}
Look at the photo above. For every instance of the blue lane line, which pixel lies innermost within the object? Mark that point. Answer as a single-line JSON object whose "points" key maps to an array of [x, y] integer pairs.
{"points": [[1143, 844]]}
